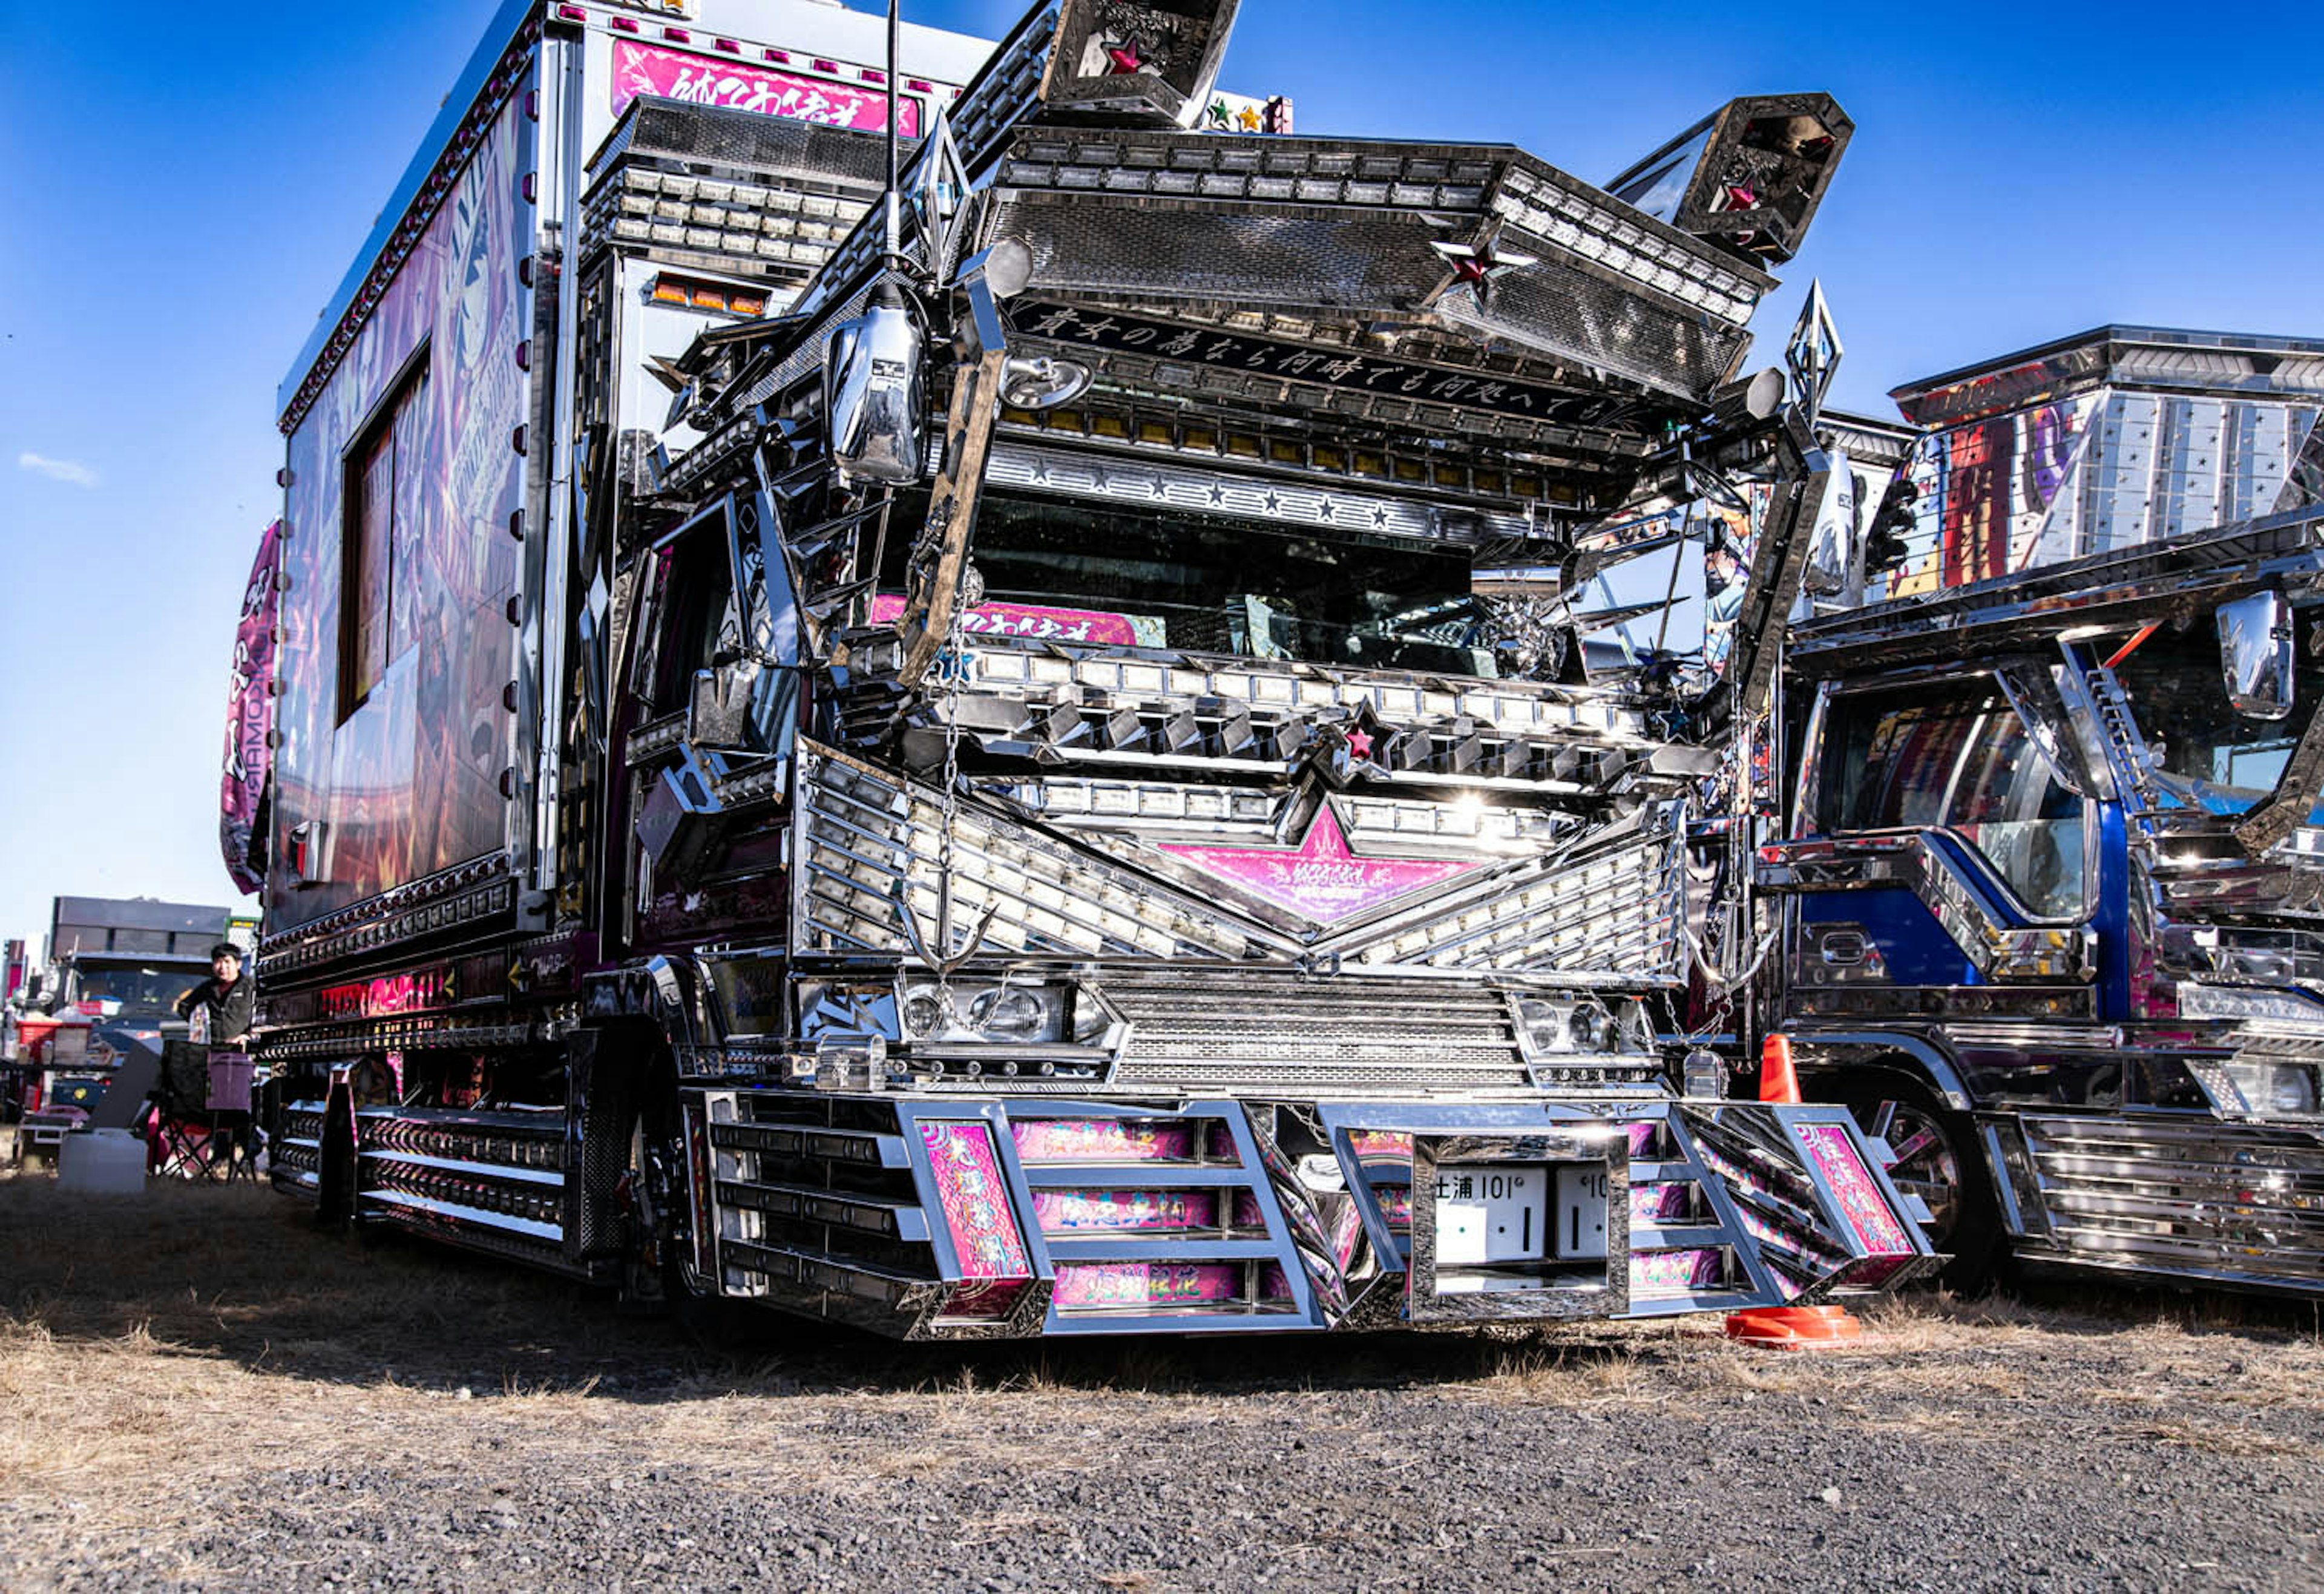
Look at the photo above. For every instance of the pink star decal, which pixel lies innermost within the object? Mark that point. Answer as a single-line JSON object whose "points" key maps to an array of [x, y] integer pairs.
{"points": [[1124, 59], [1320, 879], [1740, 197], [1359, 744]]}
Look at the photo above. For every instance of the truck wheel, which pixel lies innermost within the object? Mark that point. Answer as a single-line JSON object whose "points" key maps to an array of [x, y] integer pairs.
{"points": [[660, 1267], [1938, 1159]]}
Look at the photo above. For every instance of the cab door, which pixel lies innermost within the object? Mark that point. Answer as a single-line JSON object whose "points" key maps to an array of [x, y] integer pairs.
{"points": [[1943, 877]]}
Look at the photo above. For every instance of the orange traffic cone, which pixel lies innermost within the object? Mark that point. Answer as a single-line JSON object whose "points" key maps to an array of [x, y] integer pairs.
{"points": [[1794, 1328], [1778, 1080]]}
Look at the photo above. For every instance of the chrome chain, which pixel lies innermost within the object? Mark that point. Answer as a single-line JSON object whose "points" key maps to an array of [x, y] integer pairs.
{"points": [[956, 656]]}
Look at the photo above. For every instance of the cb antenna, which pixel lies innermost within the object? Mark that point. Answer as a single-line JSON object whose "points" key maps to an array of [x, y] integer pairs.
{"points": [[895, 251]]}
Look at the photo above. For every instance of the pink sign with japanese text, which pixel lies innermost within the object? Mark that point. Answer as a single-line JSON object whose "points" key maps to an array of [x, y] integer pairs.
{"points": [[1098, 626], [706, 80]]}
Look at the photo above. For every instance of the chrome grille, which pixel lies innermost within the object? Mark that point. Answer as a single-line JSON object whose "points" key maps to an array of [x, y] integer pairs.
{"points": [[868, 834], [1284, 1033], [2186, 1195], [1613, 912]]}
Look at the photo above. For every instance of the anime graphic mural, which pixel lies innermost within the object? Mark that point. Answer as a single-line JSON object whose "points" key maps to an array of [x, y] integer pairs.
{"points": [[250, 717], [2001, 494], [404, 478]]}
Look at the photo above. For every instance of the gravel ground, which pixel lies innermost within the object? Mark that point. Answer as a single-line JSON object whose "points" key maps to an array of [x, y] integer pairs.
{"points": [[196, 1389]]}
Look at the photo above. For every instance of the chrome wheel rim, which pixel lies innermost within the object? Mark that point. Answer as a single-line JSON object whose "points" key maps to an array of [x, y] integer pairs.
{"points": [[1926, 1165]]}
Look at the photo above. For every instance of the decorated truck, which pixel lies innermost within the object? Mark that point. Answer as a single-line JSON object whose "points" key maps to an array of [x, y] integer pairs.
{"points": [[989, 732], [2053, 886]]}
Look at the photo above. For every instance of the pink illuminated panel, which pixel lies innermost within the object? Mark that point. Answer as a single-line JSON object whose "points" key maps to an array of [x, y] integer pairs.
{"points": [[1069, 1212], [1661, 1203], [706, 80], [976, 1201], [1833, 1151], [1104, 1139], [1097, 1285], [1321, 878], [1098, 627], [1661, 1274]]}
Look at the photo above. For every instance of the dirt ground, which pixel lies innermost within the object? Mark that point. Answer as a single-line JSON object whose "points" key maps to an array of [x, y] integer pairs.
{"points": [[198, 1389]]}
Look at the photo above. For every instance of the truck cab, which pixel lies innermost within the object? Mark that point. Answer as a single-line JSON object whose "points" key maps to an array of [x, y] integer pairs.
{"points": [[1054, 786], [2050, 885]]}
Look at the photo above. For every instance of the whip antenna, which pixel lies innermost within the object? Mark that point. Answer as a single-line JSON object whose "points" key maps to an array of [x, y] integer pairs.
{"points": [[895, 241]]}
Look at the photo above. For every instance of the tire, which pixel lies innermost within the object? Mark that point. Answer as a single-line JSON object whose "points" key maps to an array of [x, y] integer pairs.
{"points": [[1940, 1160], [659, 1274]]}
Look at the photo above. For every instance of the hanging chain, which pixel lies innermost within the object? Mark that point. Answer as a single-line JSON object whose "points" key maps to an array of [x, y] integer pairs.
{"points": [[955, 668]]}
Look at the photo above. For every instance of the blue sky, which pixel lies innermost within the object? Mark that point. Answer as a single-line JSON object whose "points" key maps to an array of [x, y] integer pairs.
{"points": [[183, 187]]}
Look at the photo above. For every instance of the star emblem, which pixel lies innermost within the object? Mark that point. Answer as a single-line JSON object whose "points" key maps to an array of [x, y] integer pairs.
{"points": [[1359, 744], [1249, 117], [1321, 880], [1477, 263], [1122, 58]]}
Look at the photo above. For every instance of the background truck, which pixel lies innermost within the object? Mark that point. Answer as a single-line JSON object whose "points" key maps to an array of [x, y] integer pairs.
{"points": [[113, 972], [1043, 777], [2053, 886]]}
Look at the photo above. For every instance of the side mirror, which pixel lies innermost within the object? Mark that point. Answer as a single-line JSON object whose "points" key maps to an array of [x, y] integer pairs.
{"points": [[2255, 654]]}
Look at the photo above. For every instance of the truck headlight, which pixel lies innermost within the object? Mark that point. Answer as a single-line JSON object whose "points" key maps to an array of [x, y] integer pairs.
{"points": [[1582, 1024], [1021, 1014], [2273, 1087], [1012, 1012]]}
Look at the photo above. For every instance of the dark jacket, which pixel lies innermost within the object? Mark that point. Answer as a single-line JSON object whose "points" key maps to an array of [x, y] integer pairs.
{"points": [[227, 1006]]}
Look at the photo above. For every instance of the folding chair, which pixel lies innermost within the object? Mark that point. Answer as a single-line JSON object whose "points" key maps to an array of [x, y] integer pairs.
{"points": [[187, 1138], [230, 1076]]}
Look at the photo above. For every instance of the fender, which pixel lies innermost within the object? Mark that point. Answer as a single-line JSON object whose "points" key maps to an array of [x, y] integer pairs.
{"points": [[1827, 1051]]}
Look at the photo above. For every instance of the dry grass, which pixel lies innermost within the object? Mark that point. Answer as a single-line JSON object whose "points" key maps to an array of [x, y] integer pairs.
{"points": [[155, 1347]]}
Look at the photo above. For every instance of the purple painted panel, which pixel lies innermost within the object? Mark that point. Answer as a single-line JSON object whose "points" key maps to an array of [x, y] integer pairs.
{"points": [[407, 781]]}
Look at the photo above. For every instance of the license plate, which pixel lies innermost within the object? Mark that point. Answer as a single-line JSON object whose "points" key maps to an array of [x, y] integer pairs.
{"points": [[1581, 1226], [1491, 1212]]}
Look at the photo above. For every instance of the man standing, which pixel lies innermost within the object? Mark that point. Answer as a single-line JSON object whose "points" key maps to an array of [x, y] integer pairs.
{"points": [[221, 1009], [223, 1000]]}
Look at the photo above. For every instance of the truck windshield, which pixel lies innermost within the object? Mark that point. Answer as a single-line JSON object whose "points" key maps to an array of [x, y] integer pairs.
{"points": [[2209, 756], [140, 989], [1955, 757], [1201, 584]]}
